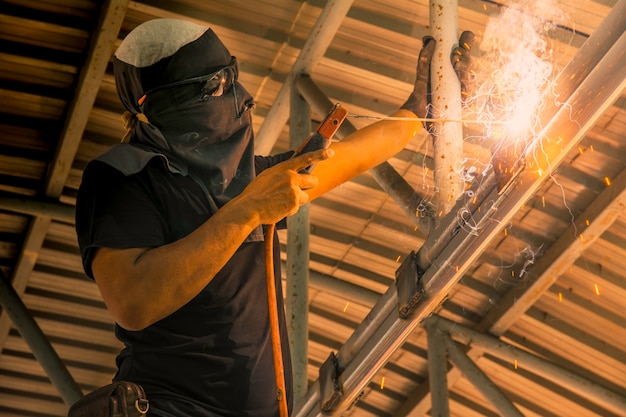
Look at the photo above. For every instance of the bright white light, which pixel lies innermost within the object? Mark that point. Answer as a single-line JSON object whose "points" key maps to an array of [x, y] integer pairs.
{"points": [[515, 72]]}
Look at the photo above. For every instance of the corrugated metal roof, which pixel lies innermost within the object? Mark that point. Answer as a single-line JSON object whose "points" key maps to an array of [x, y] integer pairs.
{"points": [[550, 281]]}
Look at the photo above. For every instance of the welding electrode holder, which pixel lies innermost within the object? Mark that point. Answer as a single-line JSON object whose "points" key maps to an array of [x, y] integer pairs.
{"points": [[322, 136]]}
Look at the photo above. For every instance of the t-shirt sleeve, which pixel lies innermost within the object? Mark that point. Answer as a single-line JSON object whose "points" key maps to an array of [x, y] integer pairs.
{"points": [[115, 211], [261, 163]]}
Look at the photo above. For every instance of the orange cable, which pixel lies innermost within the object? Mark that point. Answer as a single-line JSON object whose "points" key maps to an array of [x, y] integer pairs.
{"points": [[279, 369]]}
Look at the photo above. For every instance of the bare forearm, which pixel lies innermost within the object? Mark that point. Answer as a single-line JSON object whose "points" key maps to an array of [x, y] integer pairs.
{"points": [[364, 149]]}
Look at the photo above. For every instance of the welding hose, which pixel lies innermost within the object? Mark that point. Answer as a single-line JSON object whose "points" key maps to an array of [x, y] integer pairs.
{"points": [[272, 304]]}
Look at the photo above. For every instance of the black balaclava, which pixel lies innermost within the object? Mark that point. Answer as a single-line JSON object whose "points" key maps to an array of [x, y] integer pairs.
{"points": [[210, 137]]}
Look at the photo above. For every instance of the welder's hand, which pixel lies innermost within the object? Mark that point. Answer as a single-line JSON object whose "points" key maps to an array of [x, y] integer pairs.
{"points": [[419, 100], [462, 63], [279, 191]]}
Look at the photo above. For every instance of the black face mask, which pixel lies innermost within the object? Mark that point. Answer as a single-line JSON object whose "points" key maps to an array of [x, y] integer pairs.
{"points": [[211, 135]]}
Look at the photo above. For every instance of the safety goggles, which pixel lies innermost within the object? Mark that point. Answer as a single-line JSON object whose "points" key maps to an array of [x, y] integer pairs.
{"points": [[214, 84]]}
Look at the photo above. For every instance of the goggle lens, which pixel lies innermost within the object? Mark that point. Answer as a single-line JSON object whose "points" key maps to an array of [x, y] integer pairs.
{"points": [[214, 84], [219, 83]]}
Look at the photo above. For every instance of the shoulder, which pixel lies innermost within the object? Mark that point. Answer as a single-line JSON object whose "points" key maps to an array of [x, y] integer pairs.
{"points": [[129, 159]]}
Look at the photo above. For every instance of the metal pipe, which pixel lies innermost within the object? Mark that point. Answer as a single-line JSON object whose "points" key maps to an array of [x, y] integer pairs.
{"points": [[437, 372], [317, 43], [39, 207], [38, 343], [478, 378], [297, 271], [583, 387], [446, 104], [351, 292]]}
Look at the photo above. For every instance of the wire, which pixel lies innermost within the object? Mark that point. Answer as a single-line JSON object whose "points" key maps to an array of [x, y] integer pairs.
{"points": [[423, 119]]}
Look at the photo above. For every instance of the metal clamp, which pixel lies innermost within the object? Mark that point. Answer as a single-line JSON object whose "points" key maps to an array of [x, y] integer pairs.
{"points": [[408, 285], [330, 388]]}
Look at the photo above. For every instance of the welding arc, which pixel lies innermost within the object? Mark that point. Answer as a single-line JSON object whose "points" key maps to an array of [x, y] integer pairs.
{"points": [[272, 304]]}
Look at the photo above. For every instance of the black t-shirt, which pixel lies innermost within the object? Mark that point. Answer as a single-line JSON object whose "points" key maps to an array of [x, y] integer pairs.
{"points": [[212, 357]]}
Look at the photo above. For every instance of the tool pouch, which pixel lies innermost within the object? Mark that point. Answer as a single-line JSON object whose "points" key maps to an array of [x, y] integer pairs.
{"points": [[119, 399]]}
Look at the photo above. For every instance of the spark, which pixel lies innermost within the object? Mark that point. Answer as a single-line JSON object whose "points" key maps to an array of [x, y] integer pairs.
{"points": [[529, 256], [607, 181], [597, 289], [515, 364], [382, 383], [346, 307], [515, 76], [560, 297]]}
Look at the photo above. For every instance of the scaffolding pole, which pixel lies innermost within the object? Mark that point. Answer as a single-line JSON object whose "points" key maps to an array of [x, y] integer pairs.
{"points": [[35, 338], [577, 384], [437, 371], [297, 271], [477, 377], [446, 105]]}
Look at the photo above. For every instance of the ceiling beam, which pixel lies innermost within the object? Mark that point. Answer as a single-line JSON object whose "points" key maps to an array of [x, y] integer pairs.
{"points": [[89, 81]]}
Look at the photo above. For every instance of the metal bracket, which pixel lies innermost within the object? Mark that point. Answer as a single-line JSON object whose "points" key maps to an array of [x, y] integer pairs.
{"points": [[408, 285], [330, 388]]}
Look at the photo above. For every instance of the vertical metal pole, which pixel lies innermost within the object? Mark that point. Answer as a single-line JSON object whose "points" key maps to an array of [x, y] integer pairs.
{"points": [[297, 270], [437, 371], [37, 341], [446, 101], [478, 378]]}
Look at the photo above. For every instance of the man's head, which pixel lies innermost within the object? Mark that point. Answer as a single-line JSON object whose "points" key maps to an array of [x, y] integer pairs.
{"points": [[165, 51], [184, 80]]}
